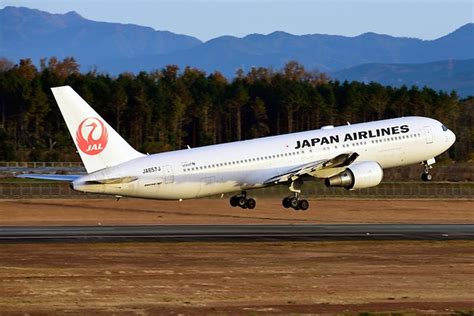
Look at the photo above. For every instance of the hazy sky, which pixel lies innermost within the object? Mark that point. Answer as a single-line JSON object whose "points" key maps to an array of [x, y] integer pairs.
{"points": [[206, 19]]}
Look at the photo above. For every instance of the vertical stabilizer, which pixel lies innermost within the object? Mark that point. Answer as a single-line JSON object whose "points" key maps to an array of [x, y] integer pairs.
{"points": [[98, 144]]}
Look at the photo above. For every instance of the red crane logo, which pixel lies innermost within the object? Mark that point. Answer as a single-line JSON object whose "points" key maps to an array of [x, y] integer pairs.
{"points": [[92, 136]]}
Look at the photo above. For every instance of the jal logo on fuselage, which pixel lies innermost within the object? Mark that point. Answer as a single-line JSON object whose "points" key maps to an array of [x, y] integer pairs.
{"points": [[92, 136]]}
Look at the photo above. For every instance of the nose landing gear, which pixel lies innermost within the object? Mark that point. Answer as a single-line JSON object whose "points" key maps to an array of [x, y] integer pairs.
{"points": [[426, 176], [242, 201]]}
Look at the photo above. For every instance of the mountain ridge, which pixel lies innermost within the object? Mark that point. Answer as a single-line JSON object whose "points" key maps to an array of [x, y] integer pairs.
{"points": [[116, 47], [36, 34], [444, 75]]}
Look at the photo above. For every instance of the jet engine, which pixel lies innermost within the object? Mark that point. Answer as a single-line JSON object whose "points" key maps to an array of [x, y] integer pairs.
{"points": [[358, 176]]}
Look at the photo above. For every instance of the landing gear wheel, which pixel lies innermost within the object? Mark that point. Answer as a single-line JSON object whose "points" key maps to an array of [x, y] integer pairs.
{"points": [[286, 202], [242, 201], [294, 202], [426, 177], [250, 204], [234, 201], [303, 205]]}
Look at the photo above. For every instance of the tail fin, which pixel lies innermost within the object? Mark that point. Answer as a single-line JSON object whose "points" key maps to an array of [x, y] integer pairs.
{"points": [[98, 144]]}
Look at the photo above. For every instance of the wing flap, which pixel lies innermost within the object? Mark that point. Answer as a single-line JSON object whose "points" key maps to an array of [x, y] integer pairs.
{"points": [[341, 160], [311, 168]]}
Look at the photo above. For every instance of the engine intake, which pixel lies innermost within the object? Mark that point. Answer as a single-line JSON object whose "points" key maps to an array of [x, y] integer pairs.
{"points": [[358, 176]]}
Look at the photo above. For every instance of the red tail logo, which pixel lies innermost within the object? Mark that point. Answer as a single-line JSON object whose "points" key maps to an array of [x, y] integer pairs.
{"points": [[96, 138]]}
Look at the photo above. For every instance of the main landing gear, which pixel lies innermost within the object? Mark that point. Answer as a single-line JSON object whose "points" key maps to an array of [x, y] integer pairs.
{"points": [[426, 176], [294, 200], [242, 201]]}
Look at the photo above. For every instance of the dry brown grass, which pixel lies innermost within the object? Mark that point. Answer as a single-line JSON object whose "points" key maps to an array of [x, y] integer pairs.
{"points": [[237, 278]]}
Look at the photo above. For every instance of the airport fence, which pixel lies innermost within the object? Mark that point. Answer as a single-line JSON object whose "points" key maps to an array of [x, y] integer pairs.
{"points": [[16, 190], [386, 190], [40, 164]]}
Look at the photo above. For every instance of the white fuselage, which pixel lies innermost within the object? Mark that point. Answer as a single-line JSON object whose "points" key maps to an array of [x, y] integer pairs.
{"points": [[243, 165]]}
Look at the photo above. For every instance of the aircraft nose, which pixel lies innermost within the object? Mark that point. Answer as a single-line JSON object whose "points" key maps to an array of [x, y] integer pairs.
{"points": [[451, 137]]}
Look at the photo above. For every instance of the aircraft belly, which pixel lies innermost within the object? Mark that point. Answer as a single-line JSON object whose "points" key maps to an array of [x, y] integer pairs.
{"points": [[122, 189]]}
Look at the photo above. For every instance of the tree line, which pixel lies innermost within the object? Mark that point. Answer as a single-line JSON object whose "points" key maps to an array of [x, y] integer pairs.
{"points": [[172, 108]]}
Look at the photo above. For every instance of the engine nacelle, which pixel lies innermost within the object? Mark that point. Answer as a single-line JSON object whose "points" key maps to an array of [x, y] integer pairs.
{"points": [[358, 176]]}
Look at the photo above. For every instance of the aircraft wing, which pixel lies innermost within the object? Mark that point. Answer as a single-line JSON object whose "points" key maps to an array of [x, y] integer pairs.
{"points": [[311, 168], [53, 177]]}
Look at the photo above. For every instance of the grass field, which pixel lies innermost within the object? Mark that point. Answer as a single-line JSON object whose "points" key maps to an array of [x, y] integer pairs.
{"points": [[324, 278]]}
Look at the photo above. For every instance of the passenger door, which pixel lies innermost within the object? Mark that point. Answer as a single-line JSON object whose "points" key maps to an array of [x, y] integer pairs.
{"points": [[428, 134], [169, 176]]}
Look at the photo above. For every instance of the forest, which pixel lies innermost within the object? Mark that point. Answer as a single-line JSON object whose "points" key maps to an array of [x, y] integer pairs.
{"points": [[172, 108]]}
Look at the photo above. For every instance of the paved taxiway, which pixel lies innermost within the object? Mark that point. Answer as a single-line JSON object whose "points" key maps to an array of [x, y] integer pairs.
{"points": [[239, 232]]}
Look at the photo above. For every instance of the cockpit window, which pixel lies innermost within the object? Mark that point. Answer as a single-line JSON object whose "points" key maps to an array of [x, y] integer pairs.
{"points": [[444, 128]]}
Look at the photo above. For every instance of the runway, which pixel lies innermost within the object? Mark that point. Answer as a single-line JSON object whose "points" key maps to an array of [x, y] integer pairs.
{"points": [[238, 232]]}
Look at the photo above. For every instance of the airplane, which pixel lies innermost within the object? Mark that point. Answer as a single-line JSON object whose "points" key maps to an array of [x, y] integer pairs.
{"points": [[348, 156]]}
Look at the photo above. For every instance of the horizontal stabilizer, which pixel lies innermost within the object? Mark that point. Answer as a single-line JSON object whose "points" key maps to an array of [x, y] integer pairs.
{"points": [[53, 177]]}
